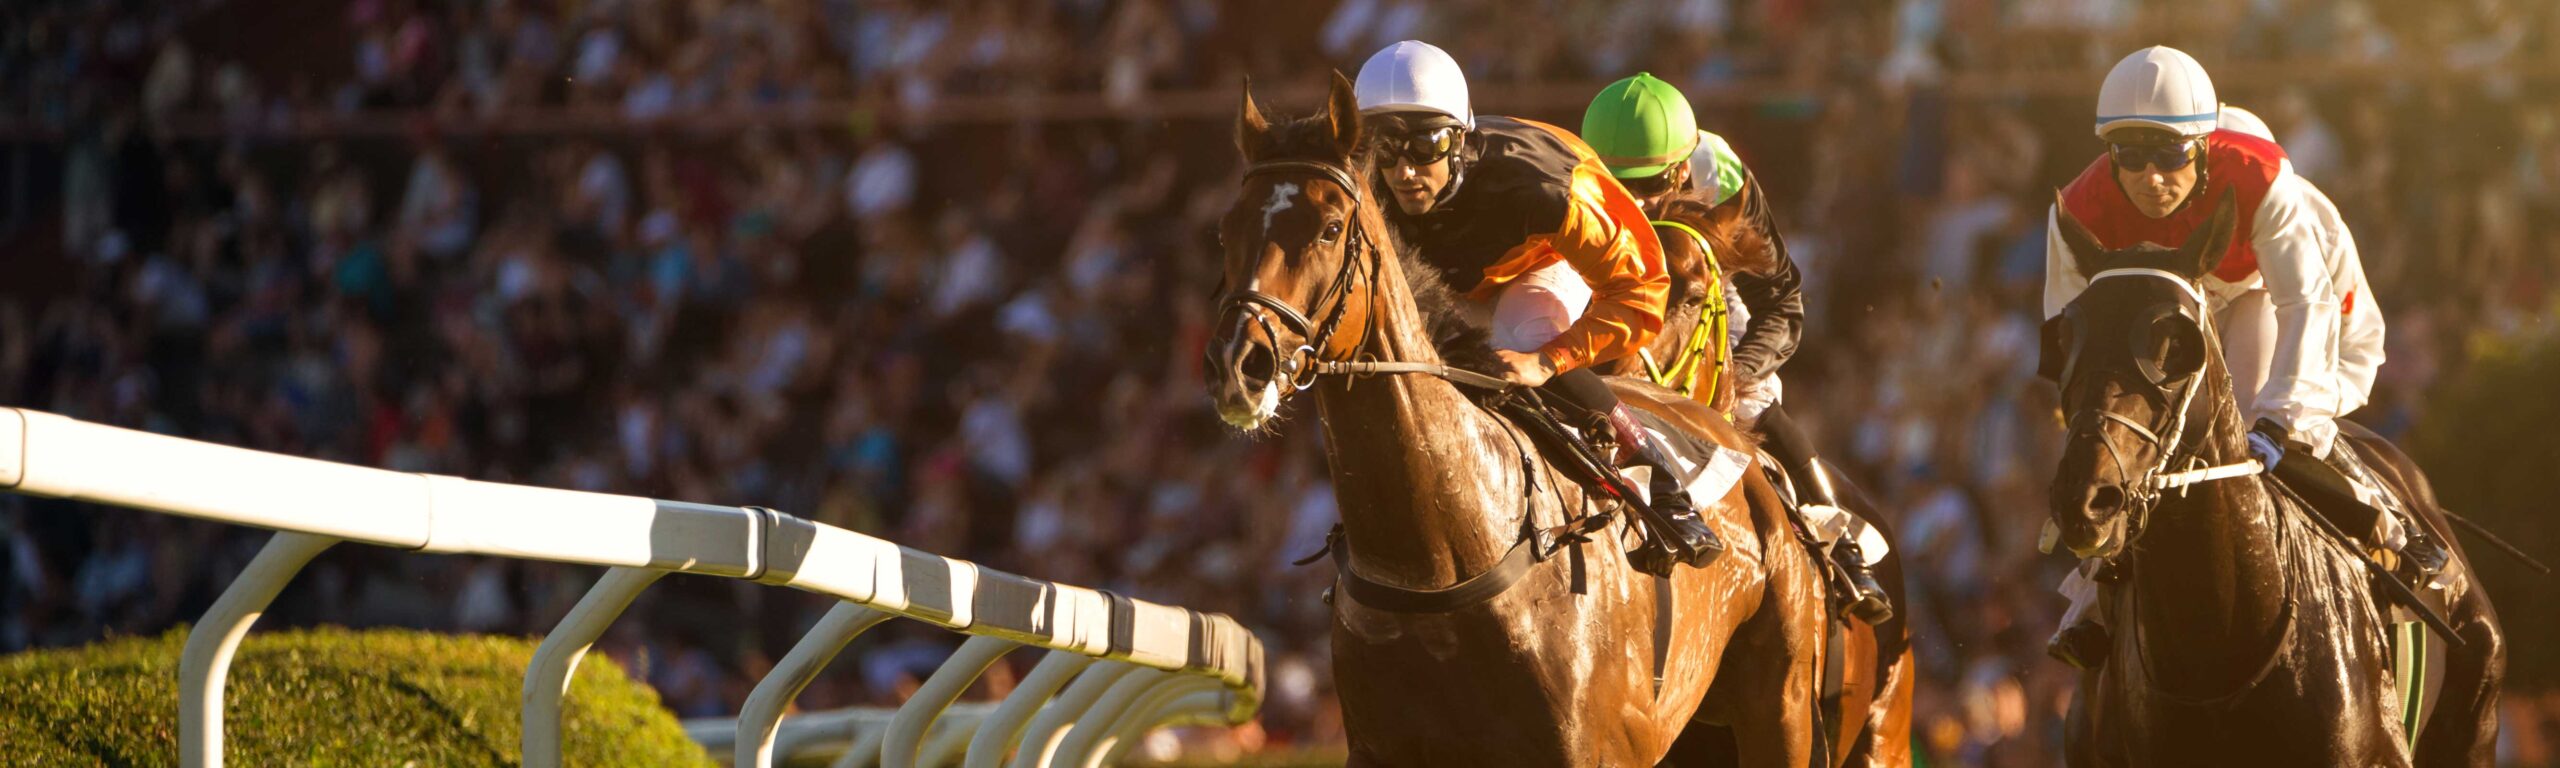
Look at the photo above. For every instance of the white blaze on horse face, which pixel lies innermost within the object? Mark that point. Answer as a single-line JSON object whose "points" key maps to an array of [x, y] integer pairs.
{"points": [[1280, 194]]}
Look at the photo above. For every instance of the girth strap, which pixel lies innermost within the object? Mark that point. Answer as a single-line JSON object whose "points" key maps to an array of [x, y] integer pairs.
{"points": [[1476, 589], [1534, 547]]}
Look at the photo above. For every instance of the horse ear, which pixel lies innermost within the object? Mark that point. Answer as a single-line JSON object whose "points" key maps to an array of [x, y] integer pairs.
{"points": [[2204, 249], [1342, 111], [1253, 134], [2084, 246]]}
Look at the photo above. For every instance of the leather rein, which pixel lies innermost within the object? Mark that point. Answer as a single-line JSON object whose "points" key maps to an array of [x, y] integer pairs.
{"points": [[2170, 442], [1303, 366], [2145, 493]]}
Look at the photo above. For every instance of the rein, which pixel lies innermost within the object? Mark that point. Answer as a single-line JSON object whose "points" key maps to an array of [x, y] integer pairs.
{"points": [[2148, 487], [1308, 363], [2144, 495], [1711, 327]]}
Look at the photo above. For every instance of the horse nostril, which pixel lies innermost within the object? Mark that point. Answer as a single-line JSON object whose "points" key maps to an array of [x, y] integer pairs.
{"points": [[1256, 367], [2106, 498]]}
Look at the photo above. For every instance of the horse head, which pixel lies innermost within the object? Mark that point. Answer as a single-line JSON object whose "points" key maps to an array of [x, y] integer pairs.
{"points": [[2130, 355], [1300, 247]]}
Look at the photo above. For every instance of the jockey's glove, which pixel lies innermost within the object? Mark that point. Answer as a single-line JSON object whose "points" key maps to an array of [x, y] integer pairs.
{"points": [[2266, 442]]}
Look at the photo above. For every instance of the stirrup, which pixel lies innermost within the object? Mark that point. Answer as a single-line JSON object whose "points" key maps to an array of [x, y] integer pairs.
{"points": [[2085, 646], [1664, 547], [2423, 553], [1863, 598]]}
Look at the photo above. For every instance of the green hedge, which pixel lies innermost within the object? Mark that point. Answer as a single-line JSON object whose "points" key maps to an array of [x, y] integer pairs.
{"points": [[325, 697], [2491, 444]]}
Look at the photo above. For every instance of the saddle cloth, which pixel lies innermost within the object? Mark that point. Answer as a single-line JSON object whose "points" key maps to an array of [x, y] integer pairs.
{"points": [[1708, 471]]}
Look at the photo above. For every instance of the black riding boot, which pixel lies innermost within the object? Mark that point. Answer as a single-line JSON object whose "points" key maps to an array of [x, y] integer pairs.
{"points": [[2325, 483], [2083, 642], [2083, 645], [1866, 599], [1681, 537]]}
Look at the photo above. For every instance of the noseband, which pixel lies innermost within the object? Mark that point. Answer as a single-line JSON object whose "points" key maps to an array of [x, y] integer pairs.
{"points": [[1302, 366], [2144, 491]]}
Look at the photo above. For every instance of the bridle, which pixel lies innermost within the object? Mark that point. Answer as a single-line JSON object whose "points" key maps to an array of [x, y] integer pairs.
{"points": [[2143, 494], [1298, 367], [2145, 490], [1303, 366]]}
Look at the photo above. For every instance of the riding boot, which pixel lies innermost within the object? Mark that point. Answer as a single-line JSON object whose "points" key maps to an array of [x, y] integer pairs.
{"points": [[1681, 537], [2422, 551], [2083, 641], [1868, 601], [2084, 645], [1864, 597], [2331, 484]]}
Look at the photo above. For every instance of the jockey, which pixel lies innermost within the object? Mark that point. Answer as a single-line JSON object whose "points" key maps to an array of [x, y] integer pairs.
{"points": [[1521, 216], [2300, 330], [1646, 133]]}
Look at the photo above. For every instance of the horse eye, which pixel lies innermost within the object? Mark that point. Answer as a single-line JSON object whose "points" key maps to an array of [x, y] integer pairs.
{"points": [[1332, 231]]}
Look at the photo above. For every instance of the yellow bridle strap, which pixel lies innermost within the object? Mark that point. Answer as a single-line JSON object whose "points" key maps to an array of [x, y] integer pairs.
{"points": [[1684, 374]]}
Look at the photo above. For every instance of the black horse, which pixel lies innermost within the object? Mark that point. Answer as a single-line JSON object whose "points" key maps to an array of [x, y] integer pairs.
{"points": [[2244, 633]]}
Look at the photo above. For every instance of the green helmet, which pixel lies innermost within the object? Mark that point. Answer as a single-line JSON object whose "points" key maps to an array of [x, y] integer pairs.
{"points": [[1640, 126]]}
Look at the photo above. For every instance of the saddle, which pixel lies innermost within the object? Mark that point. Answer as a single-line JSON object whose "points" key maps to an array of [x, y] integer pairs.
{"points": [[1710, 468]]}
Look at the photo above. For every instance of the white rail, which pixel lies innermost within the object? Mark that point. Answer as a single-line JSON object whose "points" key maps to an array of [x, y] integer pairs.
{"points": [[315, 504]]}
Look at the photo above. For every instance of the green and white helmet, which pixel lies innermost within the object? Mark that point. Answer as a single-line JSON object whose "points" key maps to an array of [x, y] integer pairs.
{"points": [[1640, 126]]}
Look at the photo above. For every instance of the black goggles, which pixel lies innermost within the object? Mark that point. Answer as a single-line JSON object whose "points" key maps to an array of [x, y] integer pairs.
{"points": [[1648, 186], [2166, 157], [1421, 147]]}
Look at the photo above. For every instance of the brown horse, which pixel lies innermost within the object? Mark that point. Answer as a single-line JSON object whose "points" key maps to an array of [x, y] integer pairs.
{"points": [[1703, 245], [1558, 664], [2244, 632]]}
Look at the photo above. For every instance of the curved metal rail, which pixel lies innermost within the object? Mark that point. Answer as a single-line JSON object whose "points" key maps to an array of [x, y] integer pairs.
{"points": [[313, 505]]}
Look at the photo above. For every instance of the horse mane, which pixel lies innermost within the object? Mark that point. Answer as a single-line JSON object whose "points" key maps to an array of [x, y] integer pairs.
{"points": [[1461, 342], [1742, 247]]}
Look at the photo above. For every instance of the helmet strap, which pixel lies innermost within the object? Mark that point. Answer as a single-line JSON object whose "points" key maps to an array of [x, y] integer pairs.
{"points": [[1457, 168]]}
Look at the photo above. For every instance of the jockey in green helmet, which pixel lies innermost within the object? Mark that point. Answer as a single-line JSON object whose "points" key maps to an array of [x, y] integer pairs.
{"points": [[1648, 137]]}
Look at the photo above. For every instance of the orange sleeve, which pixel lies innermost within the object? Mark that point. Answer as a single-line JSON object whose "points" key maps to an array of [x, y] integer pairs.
{"points": [[1610, 242]]}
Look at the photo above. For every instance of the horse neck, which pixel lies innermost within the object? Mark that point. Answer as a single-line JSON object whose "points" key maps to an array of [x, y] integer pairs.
{"points": [[2215, 582], [1425, 484]]}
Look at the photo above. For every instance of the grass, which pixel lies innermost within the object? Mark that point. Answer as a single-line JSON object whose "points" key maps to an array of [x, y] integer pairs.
{"points": [[325, 697]]}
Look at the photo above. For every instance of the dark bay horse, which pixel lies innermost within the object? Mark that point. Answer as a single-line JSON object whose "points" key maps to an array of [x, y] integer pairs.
{"points": [[1703, 245], [2243, 633], [1558, 667]]}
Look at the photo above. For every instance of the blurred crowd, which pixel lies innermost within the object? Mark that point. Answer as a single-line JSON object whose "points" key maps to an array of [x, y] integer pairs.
{"points": [[981, 339]]}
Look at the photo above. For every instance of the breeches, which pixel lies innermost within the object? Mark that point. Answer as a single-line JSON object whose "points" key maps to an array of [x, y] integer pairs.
{"points": [[1534, 310], [2248, 327]]}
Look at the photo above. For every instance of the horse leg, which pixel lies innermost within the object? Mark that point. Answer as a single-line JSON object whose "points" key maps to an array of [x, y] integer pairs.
{"points": [[1779, 731], [1886, 740], [2464, 729], [1775, 726]]}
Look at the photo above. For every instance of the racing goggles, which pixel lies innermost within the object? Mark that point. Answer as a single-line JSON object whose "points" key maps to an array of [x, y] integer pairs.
{"points": [[1648, 186], [2166, 157], [1421, 147]]}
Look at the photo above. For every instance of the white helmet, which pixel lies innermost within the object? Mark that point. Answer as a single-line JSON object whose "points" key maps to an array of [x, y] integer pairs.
{"points": [[2245, 121], [2158, 87], [1414, 76]]}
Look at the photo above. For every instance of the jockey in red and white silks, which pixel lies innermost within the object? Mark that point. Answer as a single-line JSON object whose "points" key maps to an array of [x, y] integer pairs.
{"points": [[2301, 331]]}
